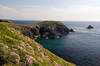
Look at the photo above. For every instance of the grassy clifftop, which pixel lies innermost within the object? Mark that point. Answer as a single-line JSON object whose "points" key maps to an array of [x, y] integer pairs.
{"points": [[49, 22], [19, 50]]}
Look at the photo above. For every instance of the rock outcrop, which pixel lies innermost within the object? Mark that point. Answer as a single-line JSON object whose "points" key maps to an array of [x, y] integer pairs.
{"points": [[45, 29], [71, 30], [90, 27]]}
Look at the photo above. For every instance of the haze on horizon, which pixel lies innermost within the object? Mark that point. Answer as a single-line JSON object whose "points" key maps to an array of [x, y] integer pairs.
{"points": [[67, 10]]}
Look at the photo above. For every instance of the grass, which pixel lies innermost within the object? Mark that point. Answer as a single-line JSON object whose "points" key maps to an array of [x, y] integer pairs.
{"points": [[49, 22], [9, 42], [4, 21]]}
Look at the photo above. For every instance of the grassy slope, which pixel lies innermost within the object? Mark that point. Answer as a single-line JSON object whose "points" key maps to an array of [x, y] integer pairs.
{"points": [[10, 40], [49, 22]]}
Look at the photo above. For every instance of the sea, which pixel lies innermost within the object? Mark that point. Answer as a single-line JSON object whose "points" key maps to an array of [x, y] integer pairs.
{"points": [[81, 47]]}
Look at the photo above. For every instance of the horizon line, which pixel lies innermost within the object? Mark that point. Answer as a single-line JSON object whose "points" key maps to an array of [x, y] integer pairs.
{"points": [[52, 20]]}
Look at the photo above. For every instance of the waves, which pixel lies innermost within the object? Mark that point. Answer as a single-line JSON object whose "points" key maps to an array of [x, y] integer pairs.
{"points": [[81, 47]]}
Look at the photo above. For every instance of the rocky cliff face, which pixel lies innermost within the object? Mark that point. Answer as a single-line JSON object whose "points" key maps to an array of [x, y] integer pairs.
{"points": [[46, 30]]}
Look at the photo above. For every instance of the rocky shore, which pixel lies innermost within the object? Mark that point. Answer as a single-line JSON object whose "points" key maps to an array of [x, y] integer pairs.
{"points": [[45, 29]]}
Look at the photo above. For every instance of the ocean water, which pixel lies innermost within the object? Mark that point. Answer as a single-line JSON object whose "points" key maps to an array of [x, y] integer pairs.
{"points": [[24, 21], [81, 47]]}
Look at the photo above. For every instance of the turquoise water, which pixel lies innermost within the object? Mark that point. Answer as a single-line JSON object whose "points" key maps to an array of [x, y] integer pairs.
{"points": [[81, 47]]}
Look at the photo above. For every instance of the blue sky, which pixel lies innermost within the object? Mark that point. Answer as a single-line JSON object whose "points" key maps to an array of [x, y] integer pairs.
{"points": [[69, 10], [49, 3]]}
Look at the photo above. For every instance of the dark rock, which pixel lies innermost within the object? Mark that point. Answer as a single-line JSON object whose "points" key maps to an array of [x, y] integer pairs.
{"points": [[71, 30], [90, 27], [53, 35], [52, 31], [45, 31]]}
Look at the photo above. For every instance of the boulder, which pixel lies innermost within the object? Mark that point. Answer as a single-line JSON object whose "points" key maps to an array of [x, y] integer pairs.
{"points": [[71, 30], [90, 27]]}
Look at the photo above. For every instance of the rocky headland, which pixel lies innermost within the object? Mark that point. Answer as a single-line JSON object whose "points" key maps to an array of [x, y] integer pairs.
{"points": [[45, 29]]}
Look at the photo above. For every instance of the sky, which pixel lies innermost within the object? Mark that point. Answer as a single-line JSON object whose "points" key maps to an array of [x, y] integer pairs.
{"points": [[63, 10]]}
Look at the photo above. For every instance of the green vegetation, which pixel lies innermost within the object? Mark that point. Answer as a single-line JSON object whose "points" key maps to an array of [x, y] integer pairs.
{"points": [[4, 20], [49, 22], [19, 50]]}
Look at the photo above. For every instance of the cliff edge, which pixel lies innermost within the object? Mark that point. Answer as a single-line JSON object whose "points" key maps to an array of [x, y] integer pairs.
{"points": [[45, 29]]}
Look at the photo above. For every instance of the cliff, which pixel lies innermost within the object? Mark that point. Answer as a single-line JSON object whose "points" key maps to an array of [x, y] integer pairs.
{"points": [[17, 49], [45, 29]]}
